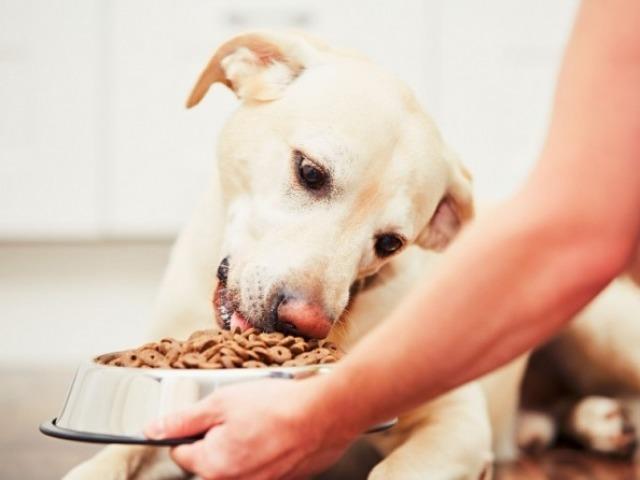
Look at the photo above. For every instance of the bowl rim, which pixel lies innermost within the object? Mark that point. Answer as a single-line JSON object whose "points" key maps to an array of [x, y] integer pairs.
{"points": [[272, 372], [51, 429]]}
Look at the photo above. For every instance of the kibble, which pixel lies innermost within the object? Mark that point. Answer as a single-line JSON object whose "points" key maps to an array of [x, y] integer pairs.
{"points": [[214, 349]]}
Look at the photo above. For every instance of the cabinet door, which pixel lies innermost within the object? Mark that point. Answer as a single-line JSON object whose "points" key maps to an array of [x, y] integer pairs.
{"points": [[50, 97], [163, 155], [499, 64]]}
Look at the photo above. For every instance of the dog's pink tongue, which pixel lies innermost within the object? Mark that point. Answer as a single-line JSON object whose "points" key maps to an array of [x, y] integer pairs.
{"points": [[237, 320]]}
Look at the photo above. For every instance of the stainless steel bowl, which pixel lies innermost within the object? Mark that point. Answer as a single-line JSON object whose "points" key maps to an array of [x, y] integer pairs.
{"points": [[107, 404]]}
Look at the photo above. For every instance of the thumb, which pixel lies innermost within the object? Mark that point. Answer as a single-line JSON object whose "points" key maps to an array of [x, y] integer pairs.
{"points": [[196, 418]]}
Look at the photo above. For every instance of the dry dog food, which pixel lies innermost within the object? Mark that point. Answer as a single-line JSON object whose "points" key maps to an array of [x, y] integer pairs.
{"points": [[227, 349]]}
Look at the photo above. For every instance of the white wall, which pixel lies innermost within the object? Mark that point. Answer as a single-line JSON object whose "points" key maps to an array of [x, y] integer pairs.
{"points": [[95, 142], [499, 61], [100, 163]]}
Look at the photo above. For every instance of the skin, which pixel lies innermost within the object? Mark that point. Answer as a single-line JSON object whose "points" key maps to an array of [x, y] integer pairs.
{"points": [[579, 209]]}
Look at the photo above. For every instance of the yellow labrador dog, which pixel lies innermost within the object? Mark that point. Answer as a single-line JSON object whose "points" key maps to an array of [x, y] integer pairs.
{"points": [[334, 188]]}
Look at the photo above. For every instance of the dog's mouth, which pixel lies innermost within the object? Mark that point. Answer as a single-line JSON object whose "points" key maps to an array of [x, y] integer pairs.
{"points": [[226, 310], [227, 314]]}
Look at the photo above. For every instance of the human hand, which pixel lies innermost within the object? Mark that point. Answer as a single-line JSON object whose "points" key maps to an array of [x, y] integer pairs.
{"points": [[269, 429]]}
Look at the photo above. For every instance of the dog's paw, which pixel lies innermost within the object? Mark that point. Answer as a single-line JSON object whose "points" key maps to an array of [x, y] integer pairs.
{"points": [[535, 431], [602, 425]]}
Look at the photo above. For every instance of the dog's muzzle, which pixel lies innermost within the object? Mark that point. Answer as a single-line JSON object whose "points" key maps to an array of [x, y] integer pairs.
{"points": [[285, 312]]}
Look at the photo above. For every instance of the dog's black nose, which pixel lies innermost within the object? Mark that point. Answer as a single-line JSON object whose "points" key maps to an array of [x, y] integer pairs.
{"points": [[279, 324], [223, 270], [275, 322]]}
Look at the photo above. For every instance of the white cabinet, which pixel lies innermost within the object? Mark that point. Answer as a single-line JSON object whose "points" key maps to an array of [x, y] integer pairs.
{"points": [[162, 154], [95, 140], [499, 65], [50, 101]]}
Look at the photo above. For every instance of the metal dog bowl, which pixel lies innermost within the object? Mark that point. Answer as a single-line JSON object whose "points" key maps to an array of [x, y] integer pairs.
{"points": [[108, 404]]}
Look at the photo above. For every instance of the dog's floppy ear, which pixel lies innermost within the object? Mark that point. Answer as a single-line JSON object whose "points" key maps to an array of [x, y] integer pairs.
{"points": [[256, 65], [453, 211]]}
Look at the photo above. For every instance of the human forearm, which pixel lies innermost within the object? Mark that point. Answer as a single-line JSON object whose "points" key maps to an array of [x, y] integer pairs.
{"points": [[510, 297]]}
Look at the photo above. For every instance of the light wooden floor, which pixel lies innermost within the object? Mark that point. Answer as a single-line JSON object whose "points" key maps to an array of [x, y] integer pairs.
{"points": [[29, 397]]}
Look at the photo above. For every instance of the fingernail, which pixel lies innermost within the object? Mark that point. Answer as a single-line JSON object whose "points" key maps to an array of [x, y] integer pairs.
{"points": [[155, 429]]}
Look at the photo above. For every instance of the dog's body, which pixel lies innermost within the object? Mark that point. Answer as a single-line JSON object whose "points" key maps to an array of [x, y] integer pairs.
{"points": [[330, 163]]}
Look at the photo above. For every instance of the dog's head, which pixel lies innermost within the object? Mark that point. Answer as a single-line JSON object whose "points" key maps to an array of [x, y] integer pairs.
{"points": [[329, 168]]}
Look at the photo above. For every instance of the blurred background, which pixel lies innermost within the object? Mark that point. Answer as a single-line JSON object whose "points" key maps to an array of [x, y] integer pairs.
{"points": [[101, 164]]}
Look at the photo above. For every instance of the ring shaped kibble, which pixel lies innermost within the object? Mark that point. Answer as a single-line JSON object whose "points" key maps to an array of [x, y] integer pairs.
{"points": [[213, 349]]}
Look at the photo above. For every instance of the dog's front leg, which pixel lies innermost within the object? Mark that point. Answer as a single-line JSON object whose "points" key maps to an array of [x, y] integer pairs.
{"points": [[127, 462], [447, 439], [502, 391], [599, 350]]}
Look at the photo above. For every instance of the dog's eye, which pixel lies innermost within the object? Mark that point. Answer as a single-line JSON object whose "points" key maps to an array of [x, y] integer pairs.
{"points": [[388, 244], [310, 175]]}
